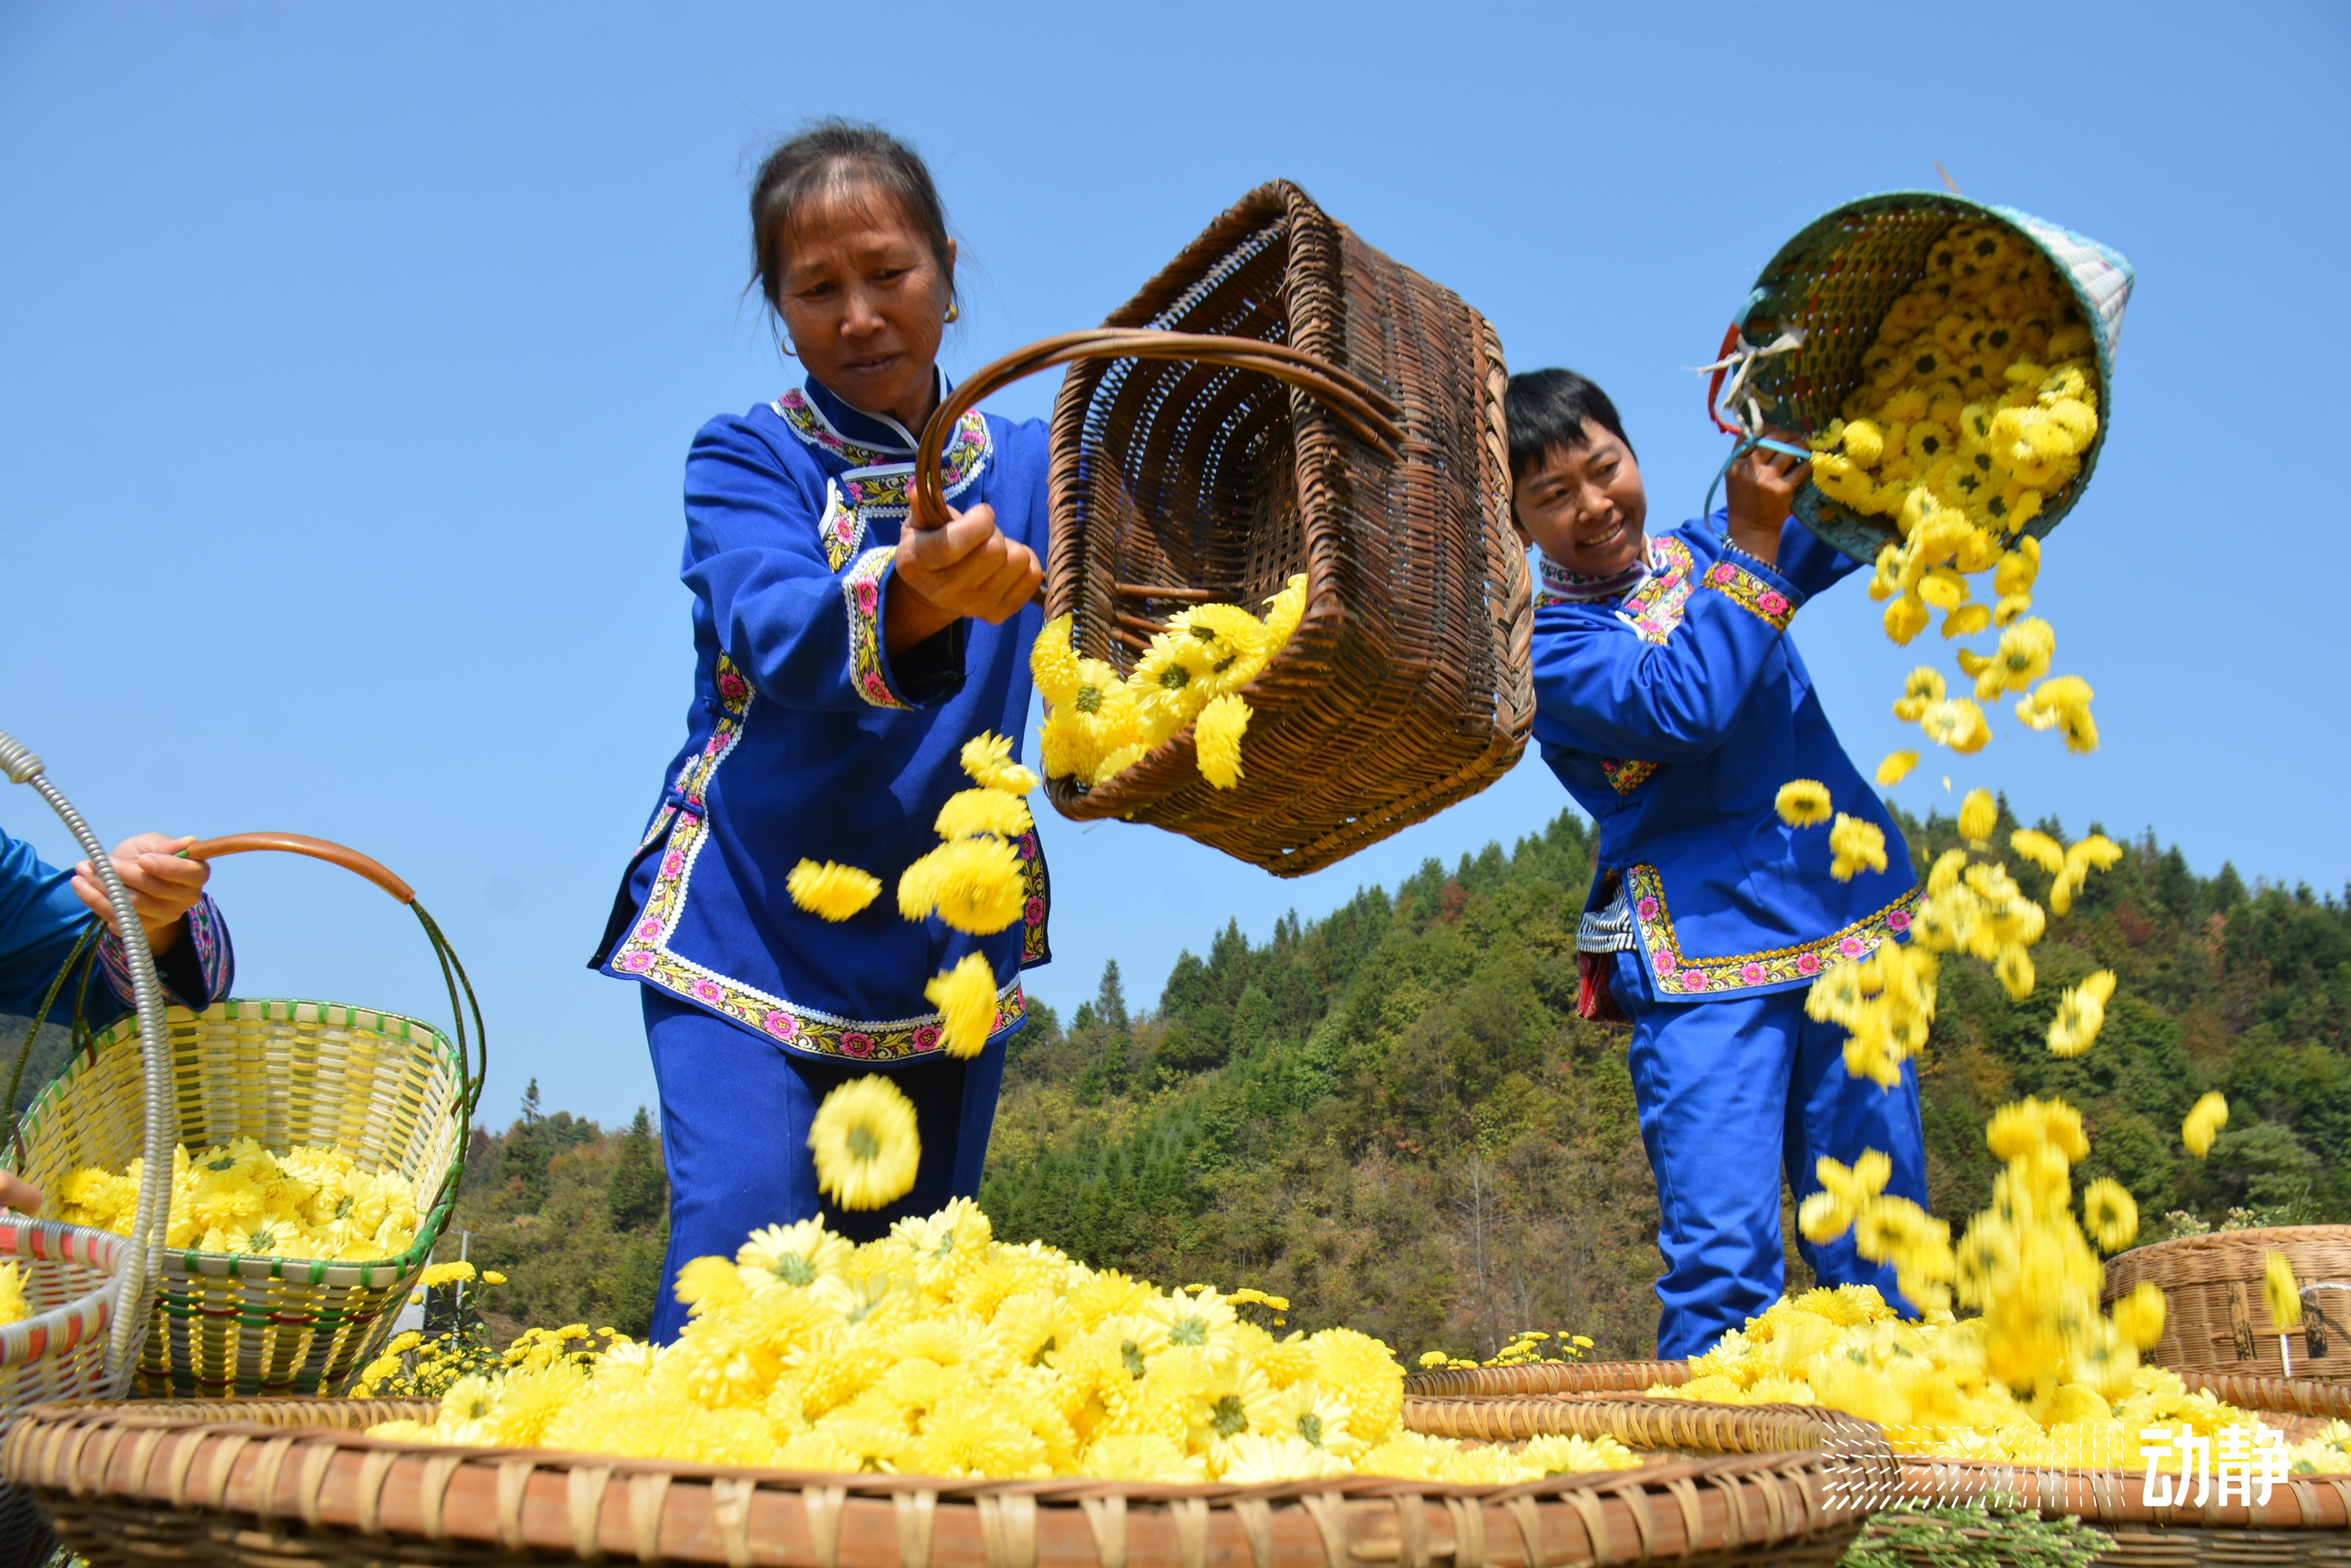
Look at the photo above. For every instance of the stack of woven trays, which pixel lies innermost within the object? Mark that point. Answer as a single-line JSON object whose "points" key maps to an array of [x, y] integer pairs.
{"points": [[298, 1481], [2307, 1520], [1407, 686]]}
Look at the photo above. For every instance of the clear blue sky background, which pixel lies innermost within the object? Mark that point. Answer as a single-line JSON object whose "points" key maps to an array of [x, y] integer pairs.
{"points": [[349, 355]]}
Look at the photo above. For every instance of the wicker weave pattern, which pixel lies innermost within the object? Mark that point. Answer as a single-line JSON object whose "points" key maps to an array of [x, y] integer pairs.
{"points": [[1407, 685], [384, 1087], [1838, 277], [1548, 1377], [2215, 1319], [142, 1483]]}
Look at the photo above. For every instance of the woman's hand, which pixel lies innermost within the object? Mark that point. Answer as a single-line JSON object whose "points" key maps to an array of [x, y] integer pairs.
{"points": [[19, 1195], [965, 568], [1762, 488], [162, 886]]}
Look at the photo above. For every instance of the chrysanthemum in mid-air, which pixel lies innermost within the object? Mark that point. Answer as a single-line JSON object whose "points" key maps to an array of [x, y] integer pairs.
{"points": [[2203, 1124], [1897, 767], [865, 1143], [965, 997], [2138, 1317], [1216, 737], [2081, 1013], [2109, 1214], [988, 758], [1979, 815], [2279, 1293], [972, 885], [1802, 802], [1854, 844], [831, 891], [973, 813]]}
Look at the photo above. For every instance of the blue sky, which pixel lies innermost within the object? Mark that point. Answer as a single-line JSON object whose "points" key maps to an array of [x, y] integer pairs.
{"points": [[349, 356]]}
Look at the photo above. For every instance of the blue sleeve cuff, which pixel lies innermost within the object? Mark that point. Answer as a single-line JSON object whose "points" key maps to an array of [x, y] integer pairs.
{"points": [[197, 972], [924, 675]]}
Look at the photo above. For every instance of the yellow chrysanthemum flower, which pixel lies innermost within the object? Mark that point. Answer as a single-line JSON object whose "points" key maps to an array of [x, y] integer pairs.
{"points": [[866, 1147], [830, 891], [972, 885], [965, 997], [1217, 740], [1802, 802], [2138, 1317], [1896, 767], [799, 1255], [972, 813], [1921, 690], [1053, 664], [2081, 1013], [1957, 723], [2279, 1293], [1854, 845], [2040, 849], [2203, 1124], [1979, 815], [1966, 620], [986, 758], [1283, 612], [2109, 1214]]}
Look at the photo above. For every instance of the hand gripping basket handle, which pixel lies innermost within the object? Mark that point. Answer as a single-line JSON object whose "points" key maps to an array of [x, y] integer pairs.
{"points": [[472, 1064], [1362, 408]]}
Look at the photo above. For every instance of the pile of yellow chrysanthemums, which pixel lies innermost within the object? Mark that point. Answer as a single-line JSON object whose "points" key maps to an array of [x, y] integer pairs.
{"points": [[939, 1350], [1098, 726], [972, 881], [309, 1202], [1528, 1347]]}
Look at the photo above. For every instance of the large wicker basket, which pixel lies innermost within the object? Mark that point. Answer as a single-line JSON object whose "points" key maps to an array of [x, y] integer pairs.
{"points": [[2215, 1319], [1836, 280], [293, 1484], [1407, 686], [393, 1093], [58, 1351]]}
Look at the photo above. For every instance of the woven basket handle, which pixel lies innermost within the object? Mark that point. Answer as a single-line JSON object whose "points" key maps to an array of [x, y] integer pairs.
{"points": [[1360, 406], [473, 1064]]}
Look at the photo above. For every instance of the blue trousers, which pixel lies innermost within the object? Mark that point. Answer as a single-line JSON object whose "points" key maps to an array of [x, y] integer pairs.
{"points": [[1730, 1094], [736, 1110]]}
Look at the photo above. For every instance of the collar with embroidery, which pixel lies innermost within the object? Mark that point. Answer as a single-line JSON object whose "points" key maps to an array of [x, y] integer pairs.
{"points": [[1559, 583]]}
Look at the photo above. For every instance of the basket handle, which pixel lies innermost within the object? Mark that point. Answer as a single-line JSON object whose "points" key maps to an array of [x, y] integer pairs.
{"points": [[473, 1052], [1362, 408]]}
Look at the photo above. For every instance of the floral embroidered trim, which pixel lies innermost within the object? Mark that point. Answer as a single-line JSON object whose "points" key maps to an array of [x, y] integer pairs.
{"points": [[1034, 897], [886, 490], [646, 955], [693, 781], [1678, 975], [841, 529], [808, 422], [863, 588], [1750, 593], [1624, 775], [207, 938], [1654, 609]]}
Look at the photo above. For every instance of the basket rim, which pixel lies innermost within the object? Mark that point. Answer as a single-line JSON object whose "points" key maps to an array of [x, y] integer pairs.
{"points": [[189, 1262], [82, 1318], [2268, 1236]]}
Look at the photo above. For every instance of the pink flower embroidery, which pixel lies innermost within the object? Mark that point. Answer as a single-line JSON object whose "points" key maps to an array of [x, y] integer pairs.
{"points": [[876, 687], [717, 744], [1723, 572], [1773, 604], [1033, 912], [867, 598], [673, 864], [731, 687], [841, 525], [709, 991], [1665, 963], [1752, 973], [856, 1044], [1900, 921], [1027, 846], [1853, 946], [782, 1025], [1646, 909], [648, 930], [927, 1037], [637, 963], [1693, 979], [1809, 964]]}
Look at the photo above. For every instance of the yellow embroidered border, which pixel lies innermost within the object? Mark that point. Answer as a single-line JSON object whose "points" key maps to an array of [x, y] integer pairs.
{"points": [[1678, 975], [1654, 608], [862, 588], [1750, 593], [1625, 775]]}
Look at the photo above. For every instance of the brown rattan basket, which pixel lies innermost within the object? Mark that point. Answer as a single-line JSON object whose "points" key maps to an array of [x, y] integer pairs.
{"points": [[2214, 1318], [294, 1482], [1407, 686]]}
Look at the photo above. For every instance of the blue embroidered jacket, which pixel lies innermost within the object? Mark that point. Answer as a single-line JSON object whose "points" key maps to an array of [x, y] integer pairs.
{"points": [[40, 921], [1673, 715], [808, 740]]}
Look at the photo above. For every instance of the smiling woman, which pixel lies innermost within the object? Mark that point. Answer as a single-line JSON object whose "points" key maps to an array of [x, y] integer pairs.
{"points": [[843, 659]]}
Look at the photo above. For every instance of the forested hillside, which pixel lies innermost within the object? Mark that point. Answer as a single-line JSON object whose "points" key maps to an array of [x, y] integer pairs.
{"points": [[1393, 1117]]}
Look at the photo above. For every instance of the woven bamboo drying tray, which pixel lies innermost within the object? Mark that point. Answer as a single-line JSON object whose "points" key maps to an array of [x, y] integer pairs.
{"points": [[294, 1482], [1836, 280], [1548, 1377], [393, 1093], [2215, 1319], [1407, 685]]}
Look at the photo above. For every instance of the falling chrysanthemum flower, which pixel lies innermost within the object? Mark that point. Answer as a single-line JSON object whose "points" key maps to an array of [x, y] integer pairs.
{"points": [[965, 997], [1979, 815], [1216, 737], [2279, 1293], [988, 758], [972, 885], [2040, 849], [831, 891], [2203, 1124], [1802, 802], [1855, 846], [2109, 1214], [2139, 1315], [867, 1150], [976, 813], [2081, 1014], [1897, 767]]}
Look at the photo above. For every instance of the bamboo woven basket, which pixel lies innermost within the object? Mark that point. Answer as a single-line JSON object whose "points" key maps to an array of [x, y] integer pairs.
{"points": [[1836, 280], [58, 1351], [291, 1483], [1407, 686], [2215, 1319], [393, 1093]]}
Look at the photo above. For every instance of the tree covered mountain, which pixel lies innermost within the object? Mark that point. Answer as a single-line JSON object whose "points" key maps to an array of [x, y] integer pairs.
{"points": [[1392, 1115]]}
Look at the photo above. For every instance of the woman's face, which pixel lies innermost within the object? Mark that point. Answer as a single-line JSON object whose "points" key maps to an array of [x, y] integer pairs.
{"points": [[1585, 505], [864, 301]]}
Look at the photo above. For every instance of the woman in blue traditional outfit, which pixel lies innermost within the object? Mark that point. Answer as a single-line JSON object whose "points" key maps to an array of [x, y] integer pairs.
{"points": [[45, 913], [1672, 703], [841, 660]]}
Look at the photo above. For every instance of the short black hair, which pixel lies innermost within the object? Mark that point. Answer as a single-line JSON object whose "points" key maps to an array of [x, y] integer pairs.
{"points": [[828, 155], [1545, 410]]}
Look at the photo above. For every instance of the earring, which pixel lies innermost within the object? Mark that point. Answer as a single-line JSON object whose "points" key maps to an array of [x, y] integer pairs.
{"points": [[784, 346], [953, 309]]}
